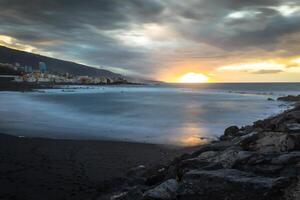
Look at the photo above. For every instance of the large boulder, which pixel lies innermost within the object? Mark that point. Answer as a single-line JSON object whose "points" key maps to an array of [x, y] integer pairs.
{"points": [[230, 184], [195, 163], [273, 142], [156, 175], [164, 191], [227, 158], [246, 141], [230, 133], [287, 158]]}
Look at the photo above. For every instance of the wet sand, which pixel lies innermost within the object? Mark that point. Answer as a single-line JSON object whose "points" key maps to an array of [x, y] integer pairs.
{"points": [[35, 168]]}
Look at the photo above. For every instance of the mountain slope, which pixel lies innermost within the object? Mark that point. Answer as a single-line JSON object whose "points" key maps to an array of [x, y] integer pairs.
{"points": [[11, 56]]}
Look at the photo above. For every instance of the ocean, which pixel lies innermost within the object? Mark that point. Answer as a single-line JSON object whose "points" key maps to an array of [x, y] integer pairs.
{"points": [[177, 114]]}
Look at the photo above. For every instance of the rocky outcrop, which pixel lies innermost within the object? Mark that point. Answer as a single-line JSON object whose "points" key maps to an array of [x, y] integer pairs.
{"points": [[229, 184], [260, 162], [290, 98], [230, 133], [273, 142]]}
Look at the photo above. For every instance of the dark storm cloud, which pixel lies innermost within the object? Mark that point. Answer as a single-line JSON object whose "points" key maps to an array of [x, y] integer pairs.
{"points": [[84, 30], [264, 28], [73, 22], [268, 36]]}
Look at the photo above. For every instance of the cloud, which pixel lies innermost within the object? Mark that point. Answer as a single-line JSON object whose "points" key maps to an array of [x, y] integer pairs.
{"points": [[270, 71], [144, 36], [14, 43], [254, 67], [262, 68]]}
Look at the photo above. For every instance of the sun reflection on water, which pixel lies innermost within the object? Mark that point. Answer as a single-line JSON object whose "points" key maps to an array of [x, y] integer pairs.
{"points": [[191, 134]]}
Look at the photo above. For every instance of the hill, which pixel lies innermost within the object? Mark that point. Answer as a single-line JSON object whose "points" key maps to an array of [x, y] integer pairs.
{"points": [[8, 55]]}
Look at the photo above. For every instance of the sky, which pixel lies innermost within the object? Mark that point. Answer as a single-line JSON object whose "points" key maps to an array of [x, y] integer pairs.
{"points": [[221, 40]]}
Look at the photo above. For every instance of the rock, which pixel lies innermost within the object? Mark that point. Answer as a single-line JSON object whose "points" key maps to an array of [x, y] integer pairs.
{"points": [[229, 184], [287, 158], [164, 191], [136, 175], [295, 115], [259, 123], [230, 133], [273, 142], [219, 146], [293, 127], [261, 159], [246, 130], [259, 164], [191, 164], [136, 171], [293, 193], [245, 141], [229, 158], [232, 130], [270, 99], [289, 98], [296, 137], [208, 154], [131, 193], [156, 175], [118, 196], [266, 169]]}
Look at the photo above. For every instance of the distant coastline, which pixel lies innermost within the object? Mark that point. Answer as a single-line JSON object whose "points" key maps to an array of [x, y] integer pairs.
{"points": [[29, 87]]}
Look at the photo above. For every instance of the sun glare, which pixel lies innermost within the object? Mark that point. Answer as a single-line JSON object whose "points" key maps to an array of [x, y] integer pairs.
{"points": [[193, 78]]}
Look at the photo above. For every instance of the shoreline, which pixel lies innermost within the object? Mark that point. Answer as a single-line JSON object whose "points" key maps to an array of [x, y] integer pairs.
{"points": [[40, 168], [22, 87], [259, 161]]}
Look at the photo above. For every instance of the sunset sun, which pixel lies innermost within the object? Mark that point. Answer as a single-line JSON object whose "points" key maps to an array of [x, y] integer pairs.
{"points": [[193, 78]]}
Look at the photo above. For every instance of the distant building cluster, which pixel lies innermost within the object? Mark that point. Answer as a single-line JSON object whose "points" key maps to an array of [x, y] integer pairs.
{"points": [[27, 74]]}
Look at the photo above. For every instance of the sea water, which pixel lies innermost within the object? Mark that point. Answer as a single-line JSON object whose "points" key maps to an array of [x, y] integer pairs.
{"points": [[163, 114]]}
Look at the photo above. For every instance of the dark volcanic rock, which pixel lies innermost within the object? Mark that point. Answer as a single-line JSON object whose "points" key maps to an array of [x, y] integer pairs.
{"points": [[289, 98], [293, 193], [288, 158], [293, 127], [156, 175], [273, 142], [295, 115], [230, 133], [258, 162], [219, 146], [133, 193], [136, 171], [231, 185], [164, 191], [227, 158]]}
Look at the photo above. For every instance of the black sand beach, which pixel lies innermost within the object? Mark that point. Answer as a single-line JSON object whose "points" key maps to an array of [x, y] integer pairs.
{"points": [[33, 168]]}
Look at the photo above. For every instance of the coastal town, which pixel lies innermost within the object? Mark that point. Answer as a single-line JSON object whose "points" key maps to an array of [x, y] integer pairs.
{"points": [[18, 74]]}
